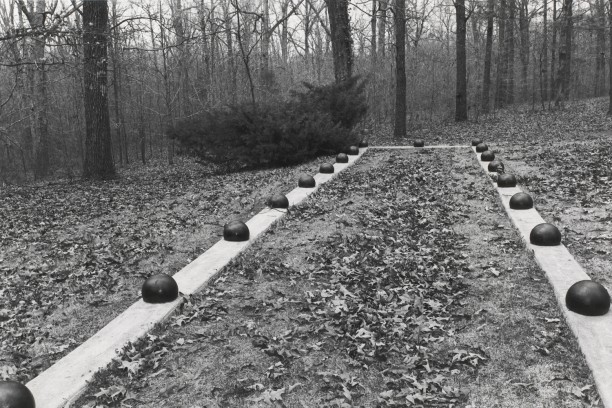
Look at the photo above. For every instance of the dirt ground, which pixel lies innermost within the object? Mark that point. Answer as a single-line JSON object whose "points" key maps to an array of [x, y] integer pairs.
{"points": [[267, 332]]}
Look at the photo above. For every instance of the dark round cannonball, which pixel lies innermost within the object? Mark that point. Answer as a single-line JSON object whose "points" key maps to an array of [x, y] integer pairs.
{"points": [[495, 165], [487, 155], [588, 298], [278, 201], [326, 168], [236, 231], [15, 395], [341, 158], [481, 148], [363, 143], [506, 180], [353, 150], [419, 143], [545, 234], [306, 181], [476, 142], [521, 201], [159, 288]]}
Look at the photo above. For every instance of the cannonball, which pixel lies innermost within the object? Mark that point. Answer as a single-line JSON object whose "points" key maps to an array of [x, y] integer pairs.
{"points": [[545, 234], [363, 143], [506, 180], [159, 288], [326, 168], [476, 142], [521, 201], [353, 150], [487, 155], [278, 201], [15, 395], [588, 298], [306, 181], [419, 143], [236, 231], [481, 147], [341, 158], [495, 165]]}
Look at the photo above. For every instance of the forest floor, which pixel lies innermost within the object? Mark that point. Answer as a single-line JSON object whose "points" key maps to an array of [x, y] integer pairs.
{"points": [[400, 281]]}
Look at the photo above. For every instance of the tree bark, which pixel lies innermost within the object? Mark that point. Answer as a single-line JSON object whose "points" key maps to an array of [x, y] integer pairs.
{"points": [[553, 53], [341, 39], [461, 113], [599, 83], [610, 50], [400, 68], [565, 55], [510, 51], [544, 64], [524, 51], [502, 59], [382, 27], [98, 162], [486, 80], [373, 33]]}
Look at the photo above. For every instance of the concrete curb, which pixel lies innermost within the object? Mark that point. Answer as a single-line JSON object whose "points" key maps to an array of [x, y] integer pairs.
{"points": [[62, 383], [424, 147], [594, 333]]}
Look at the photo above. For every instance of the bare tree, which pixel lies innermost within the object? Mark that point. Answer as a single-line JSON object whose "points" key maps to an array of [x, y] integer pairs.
{"points": [[565, 54]]}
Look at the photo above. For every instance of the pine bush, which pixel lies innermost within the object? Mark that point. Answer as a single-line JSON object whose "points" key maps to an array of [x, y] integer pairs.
{"points": [[318, 121]]}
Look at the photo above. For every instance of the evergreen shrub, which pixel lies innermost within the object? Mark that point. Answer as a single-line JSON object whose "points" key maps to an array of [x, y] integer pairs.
{"points": [[317, 121]]}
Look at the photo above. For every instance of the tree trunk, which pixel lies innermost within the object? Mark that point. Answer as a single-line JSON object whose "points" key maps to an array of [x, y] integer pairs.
{"points": [[382, 27], [510, 51], [400, 69], [373, 33], [265, 45], [341, 39], [599, 83], [117, 90], [461, 113], [610, 63], [524, 51], [502, 58], [284, 38], [486, 81], [98, 162], [565, 54], [553, 54], [544, 64]]}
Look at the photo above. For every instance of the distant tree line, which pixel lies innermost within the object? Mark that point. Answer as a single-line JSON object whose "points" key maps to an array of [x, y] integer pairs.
{"points": [[167, 60]]}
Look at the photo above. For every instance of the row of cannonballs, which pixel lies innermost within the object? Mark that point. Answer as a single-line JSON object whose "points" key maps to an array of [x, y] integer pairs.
{"points": [[584, 297], [162, 288]]}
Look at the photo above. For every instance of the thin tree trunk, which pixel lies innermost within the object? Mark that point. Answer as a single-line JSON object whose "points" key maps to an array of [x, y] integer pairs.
{"points": [[373, 33], [502, 59], [510, 52], [544, 62], [382, 27], [486, 81], [553, 54], [565, 55], [98, 162], [461, 113], [400, 69], [265, 44], [341, 39], [599, 83], [524, 51], [610, 51]]}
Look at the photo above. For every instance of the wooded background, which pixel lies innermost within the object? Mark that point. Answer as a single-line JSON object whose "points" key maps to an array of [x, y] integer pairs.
{"points": [[170, 59]]}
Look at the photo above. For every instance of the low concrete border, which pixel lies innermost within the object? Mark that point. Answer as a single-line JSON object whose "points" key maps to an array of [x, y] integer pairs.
{"points": [[594, 333], [416, 148], [62, 383]]}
